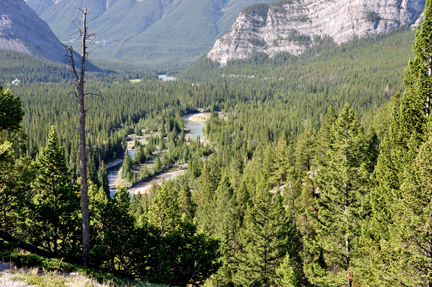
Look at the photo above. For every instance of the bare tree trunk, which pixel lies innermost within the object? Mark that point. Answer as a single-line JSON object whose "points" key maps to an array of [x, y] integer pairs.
{"points": [[79, 83]]}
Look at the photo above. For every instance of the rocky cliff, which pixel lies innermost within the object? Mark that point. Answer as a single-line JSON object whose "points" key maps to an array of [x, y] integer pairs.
{"points": [[292, 25], [22, 30]]}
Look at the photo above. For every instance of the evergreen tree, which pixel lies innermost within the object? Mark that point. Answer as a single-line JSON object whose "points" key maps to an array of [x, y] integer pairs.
{"points": [[103, 179], [281, 163], [411, 233], [16, 170], [205, 195], [115, 238], [157, 164], [342, 183], [269, 235], [54, 220], [305, 150], [323, 137], [127, 166], [397, 152]]}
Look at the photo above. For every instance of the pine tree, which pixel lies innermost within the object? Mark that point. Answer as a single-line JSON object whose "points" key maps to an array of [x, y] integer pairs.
{"points": [[103, 178], [266, 239], [114, 231], [54, 220], [205, 195], [397, 153], [282, 160], [323, 137], [16, 170], [411, 234], [305, 150], [157, 164], [11, 112], [342, 183], [127, 166]]}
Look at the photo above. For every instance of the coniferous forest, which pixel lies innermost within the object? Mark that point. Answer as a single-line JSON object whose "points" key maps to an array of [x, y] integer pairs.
{"points": [[314, 170]]}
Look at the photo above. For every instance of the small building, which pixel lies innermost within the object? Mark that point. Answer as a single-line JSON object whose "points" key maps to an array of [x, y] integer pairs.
{"points": [[15, 82]]}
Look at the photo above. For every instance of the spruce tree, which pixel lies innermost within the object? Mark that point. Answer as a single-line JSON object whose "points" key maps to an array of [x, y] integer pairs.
{"points": [[16, 170], [305, 150], [54, 220], [103, 178], [411, 233], [342, 182], [397, 152], [268, 236], [323, 137]]}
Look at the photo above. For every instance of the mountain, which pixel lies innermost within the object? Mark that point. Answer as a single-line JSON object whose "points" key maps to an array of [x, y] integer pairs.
{"points": [[291, 26], [171, 33], [22, 30]]}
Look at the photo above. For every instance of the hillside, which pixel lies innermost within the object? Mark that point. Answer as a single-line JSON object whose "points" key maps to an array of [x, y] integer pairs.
{"points": [[292, 26], [171, 33], [22, 30]]}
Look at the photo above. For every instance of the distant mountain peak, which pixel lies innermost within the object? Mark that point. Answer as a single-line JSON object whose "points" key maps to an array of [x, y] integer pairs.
{"points": [[291, 25], [22, 30]]}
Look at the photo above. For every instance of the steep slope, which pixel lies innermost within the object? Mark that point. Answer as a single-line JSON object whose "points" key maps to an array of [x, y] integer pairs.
{"points": [[291, 25], [22, 30], [168, 32]]}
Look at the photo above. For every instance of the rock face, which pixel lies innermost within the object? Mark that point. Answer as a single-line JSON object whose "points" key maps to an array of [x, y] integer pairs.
{"points": [[22, 30], [292, 25], [170, 33]]}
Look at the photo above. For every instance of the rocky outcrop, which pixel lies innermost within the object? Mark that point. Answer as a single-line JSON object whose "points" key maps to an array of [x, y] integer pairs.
{"points": [[292, 25], [22, 30]]}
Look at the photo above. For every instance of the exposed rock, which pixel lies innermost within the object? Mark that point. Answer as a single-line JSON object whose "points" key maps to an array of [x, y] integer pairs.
{"points": [[22, 30], [290, 26]]}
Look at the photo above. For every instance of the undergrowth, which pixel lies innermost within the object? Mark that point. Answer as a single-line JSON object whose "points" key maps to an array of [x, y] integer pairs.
{"points": [[53, 271]]}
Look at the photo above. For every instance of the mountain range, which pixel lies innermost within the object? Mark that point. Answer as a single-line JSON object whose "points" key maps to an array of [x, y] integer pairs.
{"points": [[291, 26], [170, 33], [22, 30]]}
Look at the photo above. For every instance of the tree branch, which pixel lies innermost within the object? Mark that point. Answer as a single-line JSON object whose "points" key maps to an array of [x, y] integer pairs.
{"points": [[21, 244]]}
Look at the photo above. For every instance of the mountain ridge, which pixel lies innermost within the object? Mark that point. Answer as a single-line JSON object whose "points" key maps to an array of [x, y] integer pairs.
{"points": [[156, 32], [22, 30], [291, 26]]}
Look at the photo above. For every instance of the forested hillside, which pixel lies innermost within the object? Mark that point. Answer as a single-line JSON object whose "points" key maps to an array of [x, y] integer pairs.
{"points": [[168, 34], [315, 170]]}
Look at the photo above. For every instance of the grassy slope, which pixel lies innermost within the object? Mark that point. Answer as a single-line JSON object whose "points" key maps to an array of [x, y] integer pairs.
{"points": [[56, 265]]}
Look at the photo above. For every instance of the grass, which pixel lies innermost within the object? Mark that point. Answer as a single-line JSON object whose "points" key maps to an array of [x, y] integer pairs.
{"points": [[135, 81], [34, 276], [40, 271]]}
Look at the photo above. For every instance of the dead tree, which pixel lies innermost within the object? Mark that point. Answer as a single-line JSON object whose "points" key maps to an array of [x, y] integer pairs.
{"points": [[80, 94]]}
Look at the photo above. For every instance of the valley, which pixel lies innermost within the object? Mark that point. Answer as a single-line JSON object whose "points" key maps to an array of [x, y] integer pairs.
{"points": [[194, 124], [296, 152]]}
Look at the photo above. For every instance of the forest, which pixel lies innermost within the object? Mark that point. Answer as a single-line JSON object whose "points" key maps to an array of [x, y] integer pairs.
{"points": [[315, 169]]}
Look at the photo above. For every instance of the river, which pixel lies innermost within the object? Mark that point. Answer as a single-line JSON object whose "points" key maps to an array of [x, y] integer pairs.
{"points": [[193, 122]]}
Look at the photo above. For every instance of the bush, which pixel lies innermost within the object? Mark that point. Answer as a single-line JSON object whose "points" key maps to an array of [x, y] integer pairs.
{"points": [[373, 17]]}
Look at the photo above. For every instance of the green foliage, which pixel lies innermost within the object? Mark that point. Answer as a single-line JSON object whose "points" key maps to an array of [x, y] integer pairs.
{"points": [[259, 10], [16, 170], [163, 35], [53, 220], [11, 112], [397, 170], [103, 178], [373, 17], [53, 264], [342, 206], [267, 238]]}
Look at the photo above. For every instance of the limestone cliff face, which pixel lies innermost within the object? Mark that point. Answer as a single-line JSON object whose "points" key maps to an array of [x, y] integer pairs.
{"points": [[22, 30], [290, 26]]}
